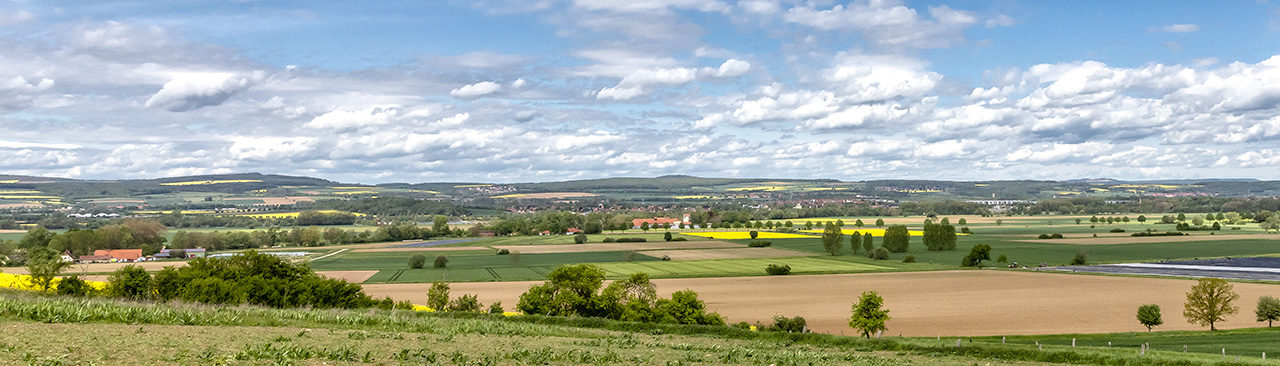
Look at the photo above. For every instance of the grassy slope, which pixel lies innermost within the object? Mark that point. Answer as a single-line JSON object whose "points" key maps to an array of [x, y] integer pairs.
{"points": [[50, 330], [1239, 342]]}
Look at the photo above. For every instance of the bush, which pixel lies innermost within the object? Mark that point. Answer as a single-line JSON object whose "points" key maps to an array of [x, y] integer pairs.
{"points": [[580, 238], [608, 240], [1056, 236], [496, 308], [789, 325], [257, 279], [1117, 230], [503, 251], [878, 253], [1079, 260], [1043, 236], [679, 239], [759, 243], [909, 259], [666, 257], [465, 303], [630, 240], [776, 270], [666, 236], [74, 286], [966, 230], [754, 234], [417, 261], [130, 282], [438, 296], [441, 262]]}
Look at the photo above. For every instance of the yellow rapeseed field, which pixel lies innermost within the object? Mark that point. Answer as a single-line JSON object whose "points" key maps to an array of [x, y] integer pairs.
{"points": [[207, 182], [8, 181], [735, 235], [23, 282], [19, 191]]}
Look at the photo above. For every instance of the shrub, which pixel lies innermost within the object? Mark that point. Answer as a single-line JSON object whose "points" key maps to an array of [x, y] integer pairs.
{"points": [[465, 303], [438, 296], [130, 282], [666, 236], [666, 257], [1002, 259], [255, 278], [966, 230], [580, 238], [789, 325], [878, 253], [909, 259], [503, 251], [1169, 233], [1117, 230], [759, 243], [754, 234], [1079, 260], [1055, 236], [1043, 236], [679, 239], [608, 240], [496, 308], [74, 286], [417, 261], [631, 240], [776, 270], [441, 262]]}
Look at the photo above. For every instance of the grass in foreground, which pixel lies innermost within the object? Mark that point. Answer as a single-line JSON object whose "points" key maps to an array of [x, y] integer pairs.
{"points": [[38, 329]]}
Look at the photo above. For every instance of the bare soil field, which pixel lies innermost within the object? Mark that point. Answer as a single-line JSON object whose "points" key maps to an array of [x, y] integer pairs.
{"points": [[101, 267], [1101, 240], [11, 231], [350, 276], [955, 303], [415, 249], [617, 247], [8, 206], [730, 253]]}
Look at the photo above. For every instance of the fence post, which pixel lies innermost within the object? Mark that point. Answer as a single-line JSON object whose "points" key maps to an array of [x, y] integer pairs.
{"points": [[957, 342], [1142, 349], [1073, 342], [1224, 352], [1002, 340], [1108, 344]]}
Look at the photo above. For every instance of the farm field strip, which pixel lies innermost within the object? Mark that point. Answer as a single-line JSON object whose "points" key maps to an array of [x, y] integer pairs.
{"points": [[742, 235], [924, 304], [730, 253], [610, 247], [418, 249], [1153, 239]]}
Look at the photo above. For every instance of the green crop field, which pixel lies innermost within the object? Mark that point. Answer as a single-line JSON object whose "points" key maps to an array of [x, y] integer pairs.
{"points": [[736, 267], [1250, 343]]}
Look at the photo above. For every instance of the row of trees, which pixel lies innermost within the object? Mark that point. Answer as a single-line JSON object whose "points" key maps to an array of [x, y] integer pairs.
{"points": [[248, 278]]}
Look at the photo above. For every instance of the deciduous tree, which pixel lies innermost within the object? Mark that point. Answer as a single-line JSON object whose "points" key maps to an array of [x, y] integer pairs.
{"points": [[1209, 302]]}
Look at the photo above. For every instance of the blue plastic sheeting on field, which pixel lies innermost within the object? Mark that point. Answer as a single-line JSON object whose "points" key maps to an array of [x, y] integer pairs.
{"points": [[1255, 268], [432, 243]]}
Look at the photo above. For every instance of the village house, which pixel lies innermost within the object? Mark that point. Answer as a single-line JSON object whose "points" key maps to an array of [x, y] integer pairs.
{"points": [[655, 222]]}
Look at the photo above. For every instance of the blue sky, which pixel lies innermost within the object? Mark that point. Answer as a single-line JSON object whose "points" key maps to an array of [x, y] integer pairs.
{"points": [[500, 90]]}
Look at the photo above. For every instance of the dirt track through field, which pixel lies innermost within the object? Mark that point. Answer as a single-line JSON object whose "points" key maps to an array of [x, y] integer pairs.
{"points": [[416, 249], [1084, 240], [730, 253], [955, 303], [617, 247]]}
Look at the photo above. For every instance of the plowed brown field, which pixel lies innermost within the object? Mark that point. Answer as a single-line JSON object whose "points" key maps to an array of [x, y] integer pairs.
{"points": [[956, 303]]}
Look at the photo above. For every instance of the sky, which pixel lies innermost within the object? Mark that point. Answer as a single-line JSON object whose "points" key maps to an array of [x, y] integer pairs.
{"points": [[549, 90]]}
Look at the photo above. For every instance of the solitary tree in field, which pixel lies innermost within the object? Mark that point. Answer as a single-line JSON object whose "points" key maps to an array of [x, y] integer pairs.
{"points": [[1220, 217], [1125, 219], [1142, 219], [896, 238], [1077, 221], [869, 316], [44, 265], [999, 222], [855, 242], [1182, 217], [962, 222], [976, 255], [754, 234], [808, 225], [1268, 310], [1208, 217], [868, 242], [1149, 316], [879, 222], [831, 238], [1093, 219], [858, 223], [1209, 302], [840, 223]]}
